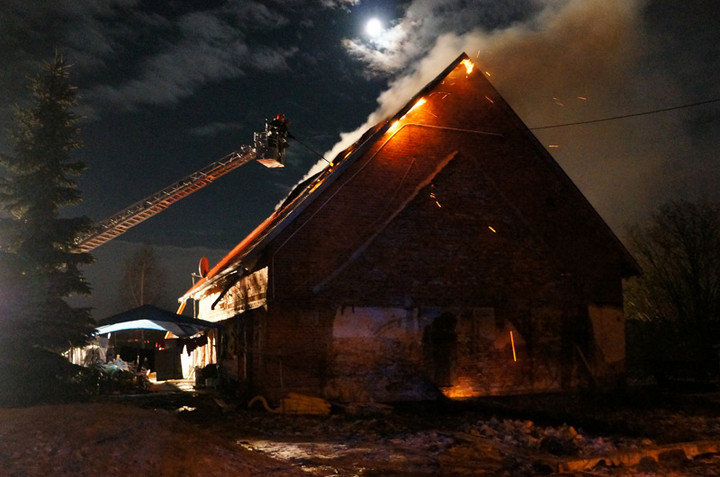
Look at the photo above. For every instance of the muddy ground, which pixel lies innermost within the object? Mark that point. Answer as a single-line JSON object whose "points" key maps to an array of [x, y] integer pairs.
{"points": [[200, 433]]}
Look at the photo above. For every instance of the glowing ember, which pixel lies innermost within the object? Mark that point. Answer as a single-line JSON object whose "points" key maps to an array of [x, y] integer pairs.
{"points": [[492, 229], [469, 65], [432, 196], [463, 389], [316, 185]]}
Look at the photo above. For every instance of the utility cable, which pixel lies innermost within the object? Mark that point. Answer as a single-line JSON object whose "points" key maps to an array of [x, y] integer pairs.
{"points": [[631, 115]]}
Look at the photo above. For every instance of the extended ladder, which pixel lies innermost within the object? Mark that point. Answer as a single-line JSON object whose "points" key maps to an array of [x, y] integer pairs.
{"points": [[268, 150]]}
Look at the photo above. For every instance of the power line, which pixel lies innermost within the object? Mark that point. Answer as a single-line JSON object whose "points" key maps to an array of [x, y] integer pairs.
{"points": [[613, 118]]}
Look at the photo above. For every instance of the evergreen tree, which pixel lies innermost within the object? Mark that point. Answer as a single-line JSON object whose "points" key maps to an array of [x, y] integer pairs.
{"points": [[37, 243]]}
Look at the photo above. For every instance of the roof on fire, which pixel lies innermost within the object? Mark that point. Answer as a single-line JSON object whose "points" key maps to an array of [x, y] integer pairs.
{"points": [[242, 258]]}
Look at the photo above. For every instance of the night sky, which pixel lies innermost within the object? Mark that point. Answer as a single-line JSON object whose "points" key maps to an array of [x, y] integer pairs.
{"points": [[166, 88]]}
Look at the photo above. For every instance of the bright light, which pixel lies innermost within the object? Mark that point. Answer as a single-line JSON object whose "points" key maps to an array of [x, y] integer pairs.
{"points": [[418, 103], [461, 390], [374, 27], [469, 65]]}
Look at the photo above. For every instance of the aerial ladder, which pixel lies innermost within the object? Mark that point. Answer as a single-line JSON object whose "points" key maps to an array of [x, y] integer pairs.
{"points": [[268, 149]]}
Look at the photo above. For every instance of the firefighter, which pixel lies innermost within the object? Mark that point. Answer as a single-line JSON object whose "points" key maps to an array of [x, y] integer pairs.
{"points": [[280, 126], [280, 123]]}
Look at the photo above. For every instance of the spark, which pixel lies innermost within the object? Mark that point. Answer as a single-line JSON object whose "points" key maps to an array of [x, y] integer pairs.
{"points": [[432, 196], [512, 342]]}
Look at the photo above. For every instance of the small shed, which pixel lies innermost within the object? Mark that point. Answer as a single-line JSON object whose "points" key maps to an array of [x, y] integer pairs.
{"points": [[172, 345], [444, 252]]}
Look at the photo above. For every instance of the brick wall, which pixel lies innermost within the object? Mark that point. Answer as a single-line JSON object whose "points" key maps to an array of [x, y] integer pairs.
{"points": [[458, 209], [293, 355]]}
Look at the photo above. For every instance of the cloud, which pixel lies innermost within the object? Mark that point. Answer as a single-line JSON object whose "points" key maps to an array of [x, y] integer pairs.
{"points": [[215, 128], [128, 56], [272, 59], [411, 37], [211, 47], [345, 4]]}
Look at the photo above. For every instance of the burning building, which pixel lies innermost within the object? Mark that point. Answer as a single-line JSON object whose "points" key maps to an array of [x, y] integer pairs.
{"points": [[445, 251]]}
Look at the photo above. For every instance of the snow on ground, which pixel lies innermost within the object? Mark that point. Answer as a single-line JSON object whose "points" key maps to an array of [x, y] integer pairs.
{"points": [[112, 439], [188, 434]]}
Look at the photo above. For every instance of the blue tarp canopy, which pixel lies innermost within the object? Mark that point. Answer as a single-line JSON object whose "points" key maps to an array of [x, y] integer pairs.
{"points": [[149, 317]]}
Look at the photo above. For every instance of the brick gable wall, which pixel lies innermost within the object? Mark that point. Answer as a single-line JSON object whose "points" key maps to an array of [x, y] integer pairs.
{"points": [[456, 212]]}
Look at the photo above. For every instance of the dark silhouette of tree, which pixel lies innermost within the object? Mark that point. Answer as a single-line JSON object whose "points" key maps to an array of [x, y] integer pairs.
{"points": [[37, 241], [143, 281], [678, 294], [679, 252]]}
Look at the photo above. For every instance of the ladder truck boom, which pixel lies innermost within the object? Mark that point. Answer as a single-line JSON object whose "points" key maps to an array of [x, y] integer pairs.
{"points": [[268, 149]]}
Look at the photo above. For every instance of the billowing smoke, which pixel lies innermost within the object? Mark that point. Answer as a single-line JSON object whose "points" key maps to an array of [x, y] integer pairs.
{"points": [[555, 62]]}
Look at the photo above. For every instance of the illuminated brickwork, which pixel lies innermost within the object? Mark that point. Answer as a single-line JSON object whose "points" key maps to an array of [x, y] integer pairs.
{"points": [[453, 210]]}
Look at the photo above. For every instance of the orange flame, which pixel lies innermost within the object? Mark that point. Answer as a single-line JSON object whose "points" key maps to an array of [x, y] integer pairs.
{"points": [[394, 126], [417, 104], [315, 186], [469, 65]]}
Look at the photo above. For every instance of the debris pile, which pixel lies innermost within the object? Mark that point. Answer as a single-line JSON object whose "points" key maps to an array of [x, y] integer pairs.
{"points": [[559, 441]]}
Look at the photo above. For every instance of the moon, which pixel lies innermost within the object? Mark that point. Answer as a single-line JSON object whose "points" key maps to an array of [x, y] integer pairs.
{"points": [[373, 27]]}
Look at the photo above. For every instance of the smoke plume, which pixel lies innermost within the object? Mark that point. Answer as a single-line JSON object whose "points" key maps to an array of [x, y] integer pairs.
{"points": [[555, 62]]}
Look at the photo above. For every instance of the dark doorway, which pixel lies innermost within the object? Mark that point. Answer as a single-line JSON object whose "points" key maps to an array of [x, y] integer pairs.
{"points": [[440, 349]]}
